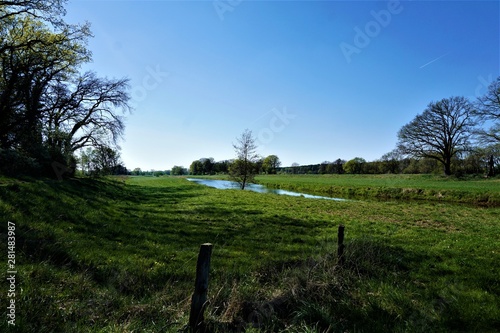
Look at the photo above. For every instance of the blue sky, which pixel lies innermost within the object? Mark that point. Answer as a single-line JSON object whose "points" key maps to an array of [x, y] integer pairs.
{"points": [[313, 80]]}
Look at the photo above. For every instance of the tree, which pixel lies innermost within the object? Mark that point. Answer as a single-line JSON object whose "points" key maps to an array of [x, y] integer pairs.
{"points": [[47, 10], [33, 58], [83, 113], [178, 171], [339, 166], [323, 167], [355, 166], [221, 166], [86, 157], [488, 110], [105, 161], [441, 132], [196, 168], [208, 165], [270, 164], [48, 110], [243, 170], [390, 162]]}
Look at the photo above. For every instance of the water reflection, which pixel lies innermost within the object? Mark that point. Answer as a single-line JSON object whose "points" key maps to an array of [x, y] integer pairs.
{"points": [[226, 184]]}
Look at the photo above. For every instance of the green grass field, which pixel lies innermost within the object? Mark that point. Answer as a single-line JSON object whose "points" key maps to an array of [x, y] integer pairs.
{"points": [[119, 256], [427, 187]]}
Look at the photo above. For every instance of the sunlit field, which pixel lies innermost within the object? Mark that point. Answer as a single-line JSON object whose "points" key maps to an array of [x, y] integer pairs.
{"points": [[119, 255]]}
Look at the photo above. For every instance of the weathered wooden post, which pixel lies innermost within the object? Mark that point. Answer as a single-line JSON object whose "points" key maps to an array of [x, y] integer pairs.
{"points": [[340, 247], [199, 299]]}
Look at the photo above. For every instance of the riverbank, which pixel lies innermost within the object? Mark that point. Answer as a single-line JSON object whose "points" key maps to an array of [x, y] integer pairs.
{"points": [[477, 191]]}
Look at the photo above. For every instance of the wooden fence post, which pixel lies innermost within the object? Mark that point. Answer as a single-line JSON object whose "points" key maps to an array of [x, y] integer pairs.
{"points": [[340, 247], [199, 299]]}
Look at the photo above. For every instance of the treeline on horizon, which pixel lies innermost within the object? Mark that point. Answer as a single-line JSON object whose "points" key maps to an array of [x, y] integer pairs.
{"points": [[391, 163]]}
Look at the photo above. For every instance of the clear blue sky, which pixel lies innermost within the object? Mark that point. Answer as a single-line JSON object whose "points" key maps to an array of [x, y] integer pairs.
{"points": [[313, 80]]}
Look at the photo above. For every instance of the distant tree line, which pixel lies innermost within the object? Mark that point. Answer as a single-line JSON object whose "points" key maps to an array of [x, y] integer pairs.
{"points": [[475, 163], [208, 166], [49, 110]]}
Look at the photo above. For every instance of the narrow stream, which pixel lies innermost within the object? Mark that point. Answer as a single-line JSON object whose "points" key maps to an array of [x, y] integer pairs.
{"points": [[226, 184]]}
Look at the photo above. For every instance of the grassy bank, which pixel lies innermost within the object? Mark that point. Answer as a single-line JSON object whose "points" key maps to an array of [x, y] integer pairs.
{"points": [[120, 255], [476, 190]]}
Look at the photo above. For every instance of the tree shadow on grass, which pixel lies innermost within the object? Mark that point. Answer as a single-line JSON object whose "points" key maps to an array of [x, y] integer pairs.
{"points": [[319, 293]]}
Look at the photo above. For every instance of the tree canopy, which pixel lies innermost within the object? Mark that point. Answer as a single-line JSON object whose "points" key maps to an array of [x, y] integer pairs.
{"points": [[48, 109], [441, 131]]}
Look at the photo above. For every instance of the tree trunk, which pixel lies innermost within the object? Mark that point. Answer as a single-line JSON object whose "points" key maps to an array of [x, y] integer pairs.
{"points": [[447, 167], [491, 167], [244, 182]]}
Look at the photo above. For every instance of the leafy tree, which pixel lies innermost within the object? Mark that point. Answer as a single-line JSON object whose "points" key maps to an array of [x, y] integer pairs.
{"points": [[323, 167], [243, 170], [178, 171], [208, 165], [390, 162], [86, 157], [221, 166], [196, 168], [270, 164], [355, 165], [47, 109], [339, 166], [33, 58], [105, 160], [258, 165], [441, 132]]}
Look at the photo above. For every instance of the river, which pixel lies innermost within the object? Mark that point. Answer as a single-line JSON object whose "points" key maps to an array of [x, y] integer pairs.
{"points": [[226, 184]]}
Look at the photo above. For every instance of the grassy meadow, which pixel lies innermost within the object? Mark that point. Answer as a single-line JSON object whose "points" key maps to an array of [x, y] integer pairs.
{"points": [[119, 255], [476, 190]]}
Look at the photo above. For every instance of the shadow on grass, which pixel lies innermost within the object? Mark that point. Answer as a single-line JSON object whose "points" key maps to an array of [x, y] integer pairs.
{"points": [[79, 223], [368, 293]]}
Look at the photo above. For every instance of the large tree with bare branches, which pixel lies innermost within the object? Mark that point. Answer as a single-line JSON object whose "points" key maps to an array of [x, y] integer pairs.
{"points": [[441, 132], [488, 112]]}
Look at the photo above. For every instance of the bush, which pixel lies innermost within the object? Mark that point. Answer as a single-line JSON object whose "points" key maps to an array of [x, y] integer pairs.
{"points": [[15, 164]]}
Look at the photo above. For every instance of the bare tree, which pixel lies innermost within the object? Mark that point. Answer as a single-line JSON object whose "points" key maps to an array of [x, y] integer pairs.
{"points": [[47, 10], [85, 114], [441, 132], [488, 110], [243, 169]]}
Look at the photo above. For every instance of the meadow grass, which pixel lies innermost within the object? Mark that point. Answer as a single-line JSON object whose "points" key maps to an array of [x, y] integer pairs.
{"points": [[474, 189], [119, 255]]}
